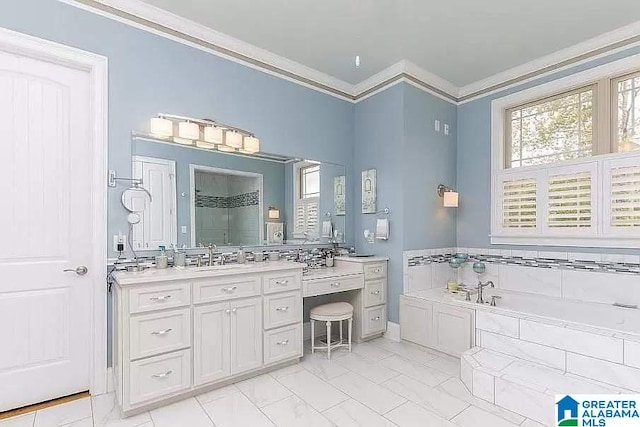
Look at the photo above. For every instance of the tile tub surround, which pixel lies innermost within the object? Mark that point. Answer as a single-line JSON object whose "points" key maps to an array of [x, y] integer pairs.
{"points": [[602, 278], [533, 346]]}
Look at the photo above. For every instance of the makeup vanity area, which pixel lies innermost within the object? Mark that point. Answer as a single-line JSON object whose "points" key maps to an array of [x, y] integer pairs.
{"points": [[229, 312]]}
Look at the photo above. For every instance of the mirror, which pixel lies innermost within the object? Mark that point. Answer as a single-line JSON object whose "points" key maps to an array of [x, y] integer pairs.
{"points": [[202, 197]]}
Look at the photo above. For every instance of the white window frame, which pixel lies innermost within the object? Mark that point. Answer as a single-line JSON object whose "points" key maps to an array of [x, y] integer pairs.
{"points": [[603, 134], [297, 198]]}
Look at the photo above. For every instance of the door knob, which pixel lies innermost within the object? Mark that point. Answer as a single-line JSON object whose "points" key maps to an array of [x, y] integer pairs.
{"points": [[80, 271]]}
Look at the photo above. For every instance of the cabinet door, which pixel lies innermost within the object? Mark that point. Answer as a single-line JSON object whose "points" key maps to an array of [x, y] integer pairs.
{"points": [[211, 338], [246, 335], [453, 328], [416, 321]]}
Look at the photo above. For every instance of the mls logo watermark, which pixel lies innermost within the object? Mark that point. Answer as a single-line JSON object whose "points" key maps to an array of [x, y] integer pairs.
{"points": [[597, 410]]}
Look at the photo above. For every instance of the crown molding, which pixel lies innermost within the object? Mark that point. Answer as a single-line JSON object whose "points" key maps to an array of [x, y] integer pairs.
{"points": [[166, 24], [602, 45], [182, 30]]}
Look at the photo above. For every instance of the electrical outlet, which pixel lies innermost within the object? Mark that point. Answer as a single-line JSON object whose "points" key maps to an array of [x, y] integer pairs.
{"points": [[119, 242], [446, 129], [437, 125]]}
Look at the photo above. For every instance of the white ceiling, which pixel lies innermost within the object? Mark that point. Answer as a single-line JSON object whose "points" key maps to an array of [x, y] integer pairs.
{"points": [[462, 41]]}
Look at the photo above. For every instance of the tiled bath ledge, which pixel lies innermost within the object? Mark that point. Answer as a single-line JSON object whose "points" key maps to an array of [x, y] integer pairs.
{"points": [[610, 263]]}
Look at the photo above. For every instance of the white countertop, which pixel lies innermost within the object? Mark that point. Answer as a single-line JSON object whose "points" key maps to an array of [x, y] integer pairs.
{"points": [[328, 272], [152, 275], [363, 259]]}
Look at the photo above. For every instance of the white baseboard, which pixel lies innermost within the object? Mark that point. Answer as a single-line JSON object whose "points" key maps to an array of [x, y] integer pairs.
{"points": [[393, 332]]}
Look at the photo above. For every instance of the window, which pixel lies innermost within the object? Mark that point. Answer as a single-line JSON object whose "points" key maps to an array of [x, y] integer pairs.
{"points": [[309, 181], [551, 130], [307, 200], [566, 161], [627, 113]]}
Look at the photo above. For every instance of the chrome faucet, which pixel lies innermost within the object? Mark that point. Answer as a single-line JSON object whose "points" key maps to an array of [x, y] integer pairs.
{"points": [[480, 287], [212, 248]]}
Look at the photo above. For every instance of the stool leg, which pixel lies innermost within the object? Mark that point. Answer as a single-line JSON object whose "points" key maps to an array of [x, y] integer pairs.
{"points": [[313, 336], [350, 328], [328, 340], [341, 332]]}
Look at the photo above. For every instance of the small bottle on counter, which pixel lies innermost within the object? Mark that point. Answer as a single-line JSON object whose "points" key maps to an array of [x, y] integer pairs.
{"points": [[240, 258], [329, 259]]}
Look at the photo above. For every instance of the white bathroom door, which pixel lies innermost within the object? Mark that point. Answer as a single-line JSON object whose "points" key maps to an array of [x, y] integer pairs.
{"points": [[46, 178]]}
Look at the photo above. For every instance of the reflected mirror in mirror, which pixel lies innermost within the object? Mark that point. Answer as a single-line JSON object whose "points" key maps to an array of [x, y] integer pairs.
{"points": [[202, 197]]}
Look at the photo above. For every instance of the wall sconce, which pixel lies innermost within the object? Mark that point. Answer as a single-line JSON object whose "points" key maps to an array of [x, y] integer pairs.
{"points": [[274, 213], [449, 196]]}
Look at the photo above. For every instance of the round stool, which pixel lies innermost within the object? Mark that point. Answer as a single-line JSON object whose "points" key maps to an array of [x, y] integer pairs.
{"points": [[334, 312]]}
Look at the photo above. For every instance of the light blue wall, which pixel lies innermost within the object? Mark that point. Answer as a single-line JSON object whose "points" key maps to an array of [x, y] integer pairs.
{"points": [[474, 161], [149, 74], [394, 134], [272, 176], [429, 158]]}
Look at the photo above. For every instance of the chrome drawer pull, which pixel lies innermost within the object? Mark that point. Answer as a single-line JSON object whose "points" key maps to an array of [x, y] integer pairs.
{"points": [[166, 374], [230, 289], [375, 319], [282, 309], [160, 299], [227, 311], [282, 282], [233, 310], [285, 342], [164, 332], [375, 293], [335, 285]]}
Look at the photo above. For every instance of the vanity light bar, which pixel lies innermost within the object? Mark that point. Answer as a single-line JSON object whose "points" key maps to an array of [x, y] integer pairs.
{"points": [[204, 133]]}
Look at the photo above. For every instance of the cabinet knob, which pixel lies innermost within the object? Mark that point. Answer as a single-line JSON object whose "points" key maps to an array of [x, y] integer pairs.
{"points": [[230, 289], [233, 310], [375, 319], [375, 293], [285, 342], [335, 285], [163, 332]]}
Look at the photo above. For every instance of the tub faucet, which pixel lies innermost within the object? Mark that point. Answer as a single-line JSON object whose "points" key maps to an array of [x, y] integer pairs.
{"points": [[480, 287]]}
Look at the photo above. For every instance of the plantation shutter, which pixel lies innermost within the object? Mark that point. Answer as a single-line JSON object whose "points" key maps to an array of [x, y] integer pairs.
{"points": [[571, 199], [306, 218], [622, 196], [519, 203]]}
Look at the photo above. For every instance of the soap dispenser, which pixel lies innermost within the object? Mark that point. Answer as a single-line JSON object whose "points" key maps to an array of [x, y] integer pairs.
{"points": [[240, 258]]}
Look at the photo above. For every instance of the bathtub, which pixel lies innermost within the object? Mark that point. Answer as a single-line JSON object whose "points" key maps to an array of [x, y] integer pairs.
{"points": [[581, 314]]}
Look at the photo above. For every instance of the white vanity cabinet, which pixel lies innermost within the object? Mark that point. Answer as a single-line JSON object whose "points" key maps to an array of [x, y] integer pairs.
{"points": [[370, 304], [180, 332], [436, 325]]}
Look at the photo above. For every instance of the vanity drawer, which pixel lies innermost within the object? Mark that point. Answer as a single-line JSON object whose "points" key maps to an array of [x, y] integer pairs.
{"points": [[375, 271], [225, 288], [155, 333], [281, 282], [374, 320], [374, 293], [159, 297], [282, 309], [159, 376], [283, 343], [333, 285]]}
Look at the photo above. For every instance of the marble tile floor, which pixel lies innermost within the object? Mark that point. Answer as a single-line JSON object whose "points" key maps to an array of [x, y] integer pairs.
{"points": [[381, 383]]}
